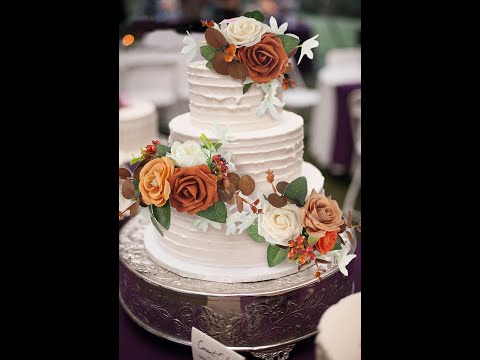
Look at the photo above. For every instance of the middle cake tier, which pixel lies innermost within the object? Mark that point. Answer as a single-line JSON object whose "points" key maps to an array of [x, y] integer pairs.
{"points": [[279, 148]]}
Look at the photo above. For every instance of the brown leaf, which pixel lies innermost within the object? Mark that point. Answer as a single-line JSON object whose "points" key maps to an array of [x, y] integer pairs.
{"points": [[120, 215], [219, 64], [225, 195], [293, 52], [226, 183], [277, 200], [281, 186], [124, 173], [349, 219], [231, 201], [342, 228], [350, 237], [215, 38], [288, 68], [234, 179], [239, 203], [321, 261], [136, 173], [256, 202], [254, 209], [341, 240], [128, 190], [237, 70], [246, 185], [135, 208]]}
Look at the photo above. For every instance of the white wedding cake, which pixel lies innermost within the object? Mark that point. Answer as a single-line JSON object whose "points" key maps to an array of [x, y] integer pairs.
{"points": [[339, 335], [137, 127], [218, 106]]}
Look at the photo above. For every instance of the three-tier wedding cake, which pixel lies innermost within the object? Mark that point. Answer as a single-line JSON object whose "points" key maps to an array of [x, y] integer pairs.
{"points": [[230, 197]]}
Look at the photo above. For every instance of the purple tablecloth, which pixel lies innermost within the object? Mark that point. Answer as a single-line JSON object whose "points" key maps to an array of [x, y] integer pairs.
{"points": [[136, 343], [343, 143]]}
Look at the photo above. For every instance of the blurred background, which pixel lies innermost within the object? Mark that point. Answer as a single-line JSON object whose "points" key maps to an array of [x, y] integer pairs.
{"points": [[153, 84]]}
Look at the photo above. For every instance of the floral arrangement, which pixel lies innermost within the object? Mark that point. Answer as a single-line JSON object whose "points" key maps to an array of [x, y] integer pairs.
{"points": [[248, 50], [197, 178]]}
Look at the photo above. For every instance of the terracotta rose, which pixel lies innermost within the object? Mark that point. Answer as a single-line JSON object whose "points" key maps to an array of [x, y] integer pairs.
{"points": [[326, 243], [264, 60], [320, 214], [194, 189], [154, 185]]}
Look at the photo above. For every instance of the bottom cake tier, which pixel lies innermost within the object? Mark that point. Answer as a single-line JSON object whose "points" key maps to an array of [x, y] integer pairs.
{"points": [[214, 256]]}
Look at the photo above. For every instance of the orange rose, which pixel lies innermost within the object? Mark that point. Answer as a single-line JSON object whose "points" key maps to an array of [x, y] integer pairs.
{"points": [[327, 243], [154, 185], [320, 214], [194, 189], [264, 60]]}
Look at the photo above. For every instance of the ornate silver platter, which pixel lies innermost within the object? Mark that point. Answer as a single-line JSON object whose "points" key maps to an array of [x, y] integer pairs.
{"points": [[265, 318]]}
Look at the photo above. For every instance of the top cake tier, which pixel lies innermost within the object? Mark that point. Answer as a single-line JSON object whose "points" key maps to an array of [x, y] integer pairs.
{"points": [[219, 100]]}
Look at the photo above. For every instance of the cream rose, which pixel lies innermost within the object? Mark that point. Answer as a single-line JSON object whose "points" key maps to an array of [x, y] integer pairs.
{"points": [[244, 31], [187, 154], [279, 225]]}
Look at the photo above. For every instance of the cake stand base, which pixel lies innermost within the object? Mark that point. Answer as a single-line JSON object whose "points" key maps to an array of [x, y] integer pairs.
{"points": [[265, 318]]}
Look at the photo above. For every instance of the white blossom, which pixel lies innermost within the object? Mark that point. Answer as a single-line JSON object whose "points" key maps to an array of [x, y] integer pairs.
{"points": [[191, 48], [306, 48], [224, 135], [343, 259], [270, 100], [202, 224], [244, 218], [274, 26]]}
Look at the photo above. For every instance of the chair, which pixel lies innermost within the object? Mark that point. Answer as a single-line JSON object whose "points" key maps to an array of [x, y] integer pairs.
{"points": [[354, 187]]}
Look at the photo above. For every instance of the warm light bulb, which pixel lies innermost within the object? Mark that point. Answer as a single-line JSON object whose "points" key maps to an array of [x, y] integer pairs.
{"points": [[128, 40]]}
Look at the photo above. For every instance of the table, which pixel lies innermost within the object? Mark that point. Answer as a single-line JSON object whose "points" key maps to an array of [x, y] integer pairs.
{"points": [[330, 132], [137, 344]]}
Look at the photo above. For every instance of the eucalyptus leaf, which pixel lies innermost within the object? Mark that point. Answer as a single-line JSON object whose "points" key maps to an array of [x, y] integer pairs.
{"points": [[289, 42], [207, 52], [209, 64], [217, 212], [297, 191], [276, 255], [217, 145], [253, 233]]}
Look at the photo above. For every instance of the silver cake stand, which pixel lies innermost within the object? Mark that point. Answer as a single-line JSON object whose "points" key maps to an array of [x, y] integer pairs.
{"points": [[265, 318]]}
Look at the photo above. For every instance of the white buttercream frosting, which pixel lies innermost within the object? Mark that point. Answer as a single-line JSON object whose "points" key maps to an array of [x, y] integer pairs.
{"points": [[260, 144], [137, 126], [219, 100]]}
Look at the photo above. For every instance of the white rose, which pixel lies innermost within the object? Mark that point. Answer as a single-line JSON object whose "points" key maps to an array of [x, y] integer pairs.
{"points": [[279, 225], [187, 154], [244, 31]]}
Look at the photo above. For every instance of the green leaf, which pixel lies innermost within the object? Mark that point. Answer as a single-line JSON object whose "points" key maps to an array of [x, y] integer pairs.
{"points": [[208, 51], [217, 212], [253, 233], [276, 255], [337, 246], [156, 224], [297, 190], [312, 240], [289, 42], [257, 15], [136, 159], [246, 87], [162, 214], [135, 183], [162, 150], [217, 145], [209, 64]]}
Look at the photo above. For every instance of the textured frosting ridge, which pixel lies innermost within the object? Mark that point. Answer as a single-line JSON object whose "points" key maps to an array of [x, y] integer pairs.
{"points": [[219, 100]]}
